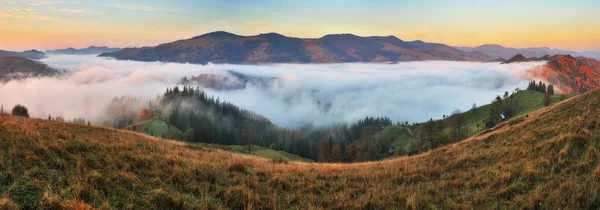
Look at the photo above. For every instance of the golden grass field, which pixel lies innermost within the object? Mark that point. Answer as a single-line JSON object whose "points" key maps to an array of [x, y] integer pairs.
{"points": [[549, 160]]}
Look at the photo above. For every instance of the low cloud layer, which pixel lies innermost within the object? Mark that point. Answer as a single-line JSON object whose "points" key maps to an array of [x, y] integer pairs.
{"points": [[411, 91]]}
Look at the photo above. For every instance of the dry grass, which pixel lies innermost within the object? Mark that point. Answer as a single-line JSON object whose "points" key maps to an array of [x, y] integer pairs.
{"points": [[548, 160]]}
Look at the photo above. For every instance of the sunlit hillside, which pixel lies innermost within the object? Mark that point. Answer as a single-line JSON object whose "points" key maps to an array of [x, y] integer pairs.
{"points": [[547, 160]]}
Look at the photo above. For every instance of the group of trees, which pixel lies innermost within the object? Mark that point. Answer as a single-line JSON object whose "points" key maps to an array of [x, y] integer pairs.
{"points": [[207, 119], [541, 87], [204, 118]]}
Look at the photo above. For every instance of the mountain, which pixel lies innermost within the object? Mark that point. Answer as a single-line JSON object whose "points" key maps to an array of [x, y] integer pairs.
{"points": [[571, 74], [547, 159], [232, 81], [224, 47], [92, 50], [12, 68], [29, 54], [518, 58], [499, 51]]}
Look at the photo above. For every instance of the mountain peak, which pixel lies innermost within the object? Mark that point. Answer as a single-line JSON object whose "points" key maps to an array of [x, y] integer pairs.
{"points": [[517, 58], [218, 34]]}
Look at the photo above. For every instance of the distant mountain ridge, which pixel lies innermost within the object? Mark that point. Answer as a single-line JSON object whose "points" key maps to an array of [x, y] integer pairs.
{"points": [[29, 54], [224, 47], [499, 51], [92, 50]]}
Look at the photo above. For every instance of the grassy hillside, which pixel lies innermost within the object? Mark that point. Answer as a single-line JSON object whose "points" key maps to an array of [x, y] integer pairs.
{"points": [[547, 160], [157, 128], [528, 101], [265, 153]]}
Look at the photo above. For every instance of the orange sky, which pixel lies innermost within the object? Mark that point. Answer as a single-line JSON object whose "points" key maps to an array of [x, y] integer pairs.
{"points": [[32, 24]]}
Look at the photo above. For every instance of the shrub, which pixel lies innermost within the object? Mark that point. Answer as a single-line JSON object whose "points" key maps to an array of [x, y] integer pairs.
{"points": [[20, 110]]}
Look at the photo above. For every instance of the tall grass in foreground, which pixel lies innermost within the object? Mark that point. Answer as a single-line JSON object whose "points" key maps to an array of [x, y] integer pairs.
{"points": [[547, 160]]}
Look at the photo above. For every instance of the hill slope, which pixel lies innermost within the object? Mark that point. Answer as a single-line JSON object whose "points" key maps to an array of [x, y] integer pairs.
{"points": [[567, 73], [223, 47], [20, 68], [30, 54], [548, 160], [474, 120]]}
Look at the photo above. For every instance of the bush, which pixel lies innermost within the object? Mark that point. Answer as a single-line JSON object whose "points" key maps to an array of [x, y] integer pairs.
{"points": [[20, 110]]}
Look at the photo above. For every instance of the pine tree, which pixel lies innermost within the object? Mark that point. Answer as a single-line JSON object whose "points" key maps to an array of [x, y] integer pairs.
{"points": [[550, 89]]}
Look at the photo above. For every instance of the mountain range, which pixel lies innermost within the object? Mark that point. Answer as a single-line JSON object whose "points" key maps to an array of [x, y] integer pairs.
{"points": [[92, 50], [499, 51], [224, 47], [30, 54]]}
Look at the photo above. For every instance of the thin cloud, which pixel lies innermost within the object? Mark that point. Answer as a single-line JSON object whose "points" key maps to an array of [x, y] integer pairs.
{"points": [[25, 13], [44, 3], [75, 11], [140, 8]]}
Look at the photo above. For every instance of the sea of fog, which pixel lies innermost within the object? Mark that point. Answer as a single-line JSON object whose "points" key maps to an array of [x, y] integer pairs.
{"points": [[407, 91]]}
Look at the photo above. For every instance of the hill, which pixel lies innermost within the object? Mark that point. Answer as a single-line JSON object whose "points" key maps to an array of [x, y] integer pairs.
{"points": [[547, 160], [92, 50], [518, 58], [20, 68], [224, 47], [569, 74], [474, 120], [30, 54]]}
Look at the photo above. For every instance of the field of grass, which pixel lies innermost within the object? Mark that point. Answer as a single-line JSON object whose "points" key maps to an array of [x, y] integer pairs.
{"points": [[527, 100], [549, 160], [268, 154], [157, 128]]}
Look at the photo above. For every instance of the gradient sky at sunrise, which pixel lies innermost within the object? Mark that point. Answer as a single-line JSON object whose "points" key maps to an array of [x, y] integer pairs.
{"points": [[50, 24]]}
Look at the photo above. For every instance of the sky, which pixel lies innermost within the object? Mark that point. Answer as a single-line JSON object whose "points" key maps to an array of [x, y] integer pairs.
{"points": [[52, 24]]}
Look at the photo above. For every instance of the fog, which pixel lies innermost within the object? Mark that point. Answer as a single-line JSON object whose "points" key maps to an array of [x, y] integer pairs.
{"points": [[408, 91]]}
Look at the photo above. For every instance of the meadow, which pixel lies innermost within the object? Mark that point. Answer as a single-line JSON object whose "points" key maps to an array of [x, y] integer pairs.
{"points": [[548, 159]]}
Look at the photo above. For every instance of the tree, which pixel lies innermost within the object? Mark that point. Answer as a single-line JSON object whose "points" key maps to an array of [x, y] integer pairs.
{"points": [[20, 110], [248, 136], [144, 114], [323, 151], [351, 152], [336, 154], [505, 94], [474, 106], [49, 117], [457, 125], [431, 133], [547, 99], [550, 89]]}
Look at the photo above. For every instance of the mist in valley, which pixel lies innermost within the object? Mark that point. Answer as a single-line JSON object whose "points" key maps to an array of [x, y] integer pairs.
{"points": [[300, 94]]}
